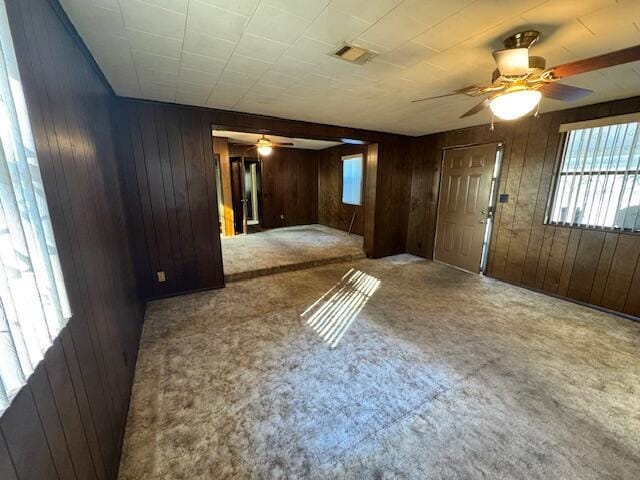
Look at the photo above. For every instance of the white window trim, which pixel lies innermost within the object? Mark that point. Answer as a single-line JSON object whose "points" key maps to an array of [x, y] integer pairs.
{"points": [[600, 122]]}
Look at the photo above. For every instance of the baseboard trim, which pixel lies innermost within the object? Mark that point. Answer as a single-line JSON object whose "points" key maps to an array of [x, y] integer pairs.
{"points": [[626, 316]]}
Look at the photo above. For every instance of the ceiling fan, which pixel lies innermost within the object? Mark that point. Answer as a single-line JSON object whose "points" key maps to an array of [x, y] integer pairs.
{"points": [[521, 80], [265, 146]]}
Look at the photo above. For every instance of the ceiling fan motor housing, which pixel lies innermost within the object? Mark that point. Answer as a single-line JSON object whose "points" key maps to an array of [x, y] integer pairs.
{"points": [[522, 39]]}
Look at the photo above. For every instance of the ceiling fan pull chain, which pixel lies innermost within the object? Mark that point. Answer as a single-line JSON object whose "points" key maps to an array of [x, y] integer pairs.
{"points": [[493, 127], [537, 110]]}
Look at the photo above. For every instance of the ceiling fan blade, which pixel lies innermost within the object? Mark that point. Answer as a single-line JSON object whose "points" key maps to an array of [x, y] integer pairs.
{"points": [[567, 93], [466, 90], [276, 144], [611, 59], [512, 61], [478, 108]]}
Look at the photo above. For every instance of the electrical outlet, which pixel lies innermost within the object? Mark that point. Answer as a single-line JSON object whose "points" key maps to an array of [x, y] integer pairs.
{"points": [[161, 277]]}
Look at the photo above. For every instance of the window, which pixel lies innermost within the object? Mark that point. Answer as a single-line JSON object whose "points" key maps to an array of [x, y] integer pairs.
{"points": [[33, 300], [598, 181], [352, 179]]}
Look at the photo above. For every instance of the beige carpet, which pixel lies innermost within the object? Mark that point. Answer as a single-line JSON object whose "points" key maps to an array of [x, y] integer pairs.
{"points": [[288, 248], [393, 368]]}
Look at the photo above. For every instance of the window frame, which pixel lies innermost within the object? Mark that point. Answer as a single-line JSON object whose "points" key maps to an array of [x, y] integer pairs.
{"points": [[35, 305], [557, 174], [362, 166]]}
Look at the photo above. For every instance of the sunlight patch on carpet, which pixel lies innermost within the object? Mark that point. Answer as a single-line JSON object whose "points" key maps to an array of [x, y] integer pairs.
{"points": [[333, 313]]}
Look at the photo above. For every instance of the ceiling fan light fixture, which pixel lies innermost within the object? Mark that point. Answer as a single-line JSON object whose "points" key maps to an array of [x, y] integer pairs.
{"points": [[515, 104], [512, 62], [265, 150]]}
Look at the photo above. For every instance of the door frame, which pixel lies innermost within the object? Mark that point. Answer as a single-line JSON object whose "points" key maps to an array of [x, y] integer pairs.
{"points": [[248, 161], [500, 148], [241, 173]]}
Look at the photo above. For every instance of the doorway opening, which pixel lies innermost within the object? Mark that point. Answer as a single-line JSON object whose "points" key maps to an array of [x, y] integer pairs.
{"points": [[466, 207], [288, 202], [246, 194]]}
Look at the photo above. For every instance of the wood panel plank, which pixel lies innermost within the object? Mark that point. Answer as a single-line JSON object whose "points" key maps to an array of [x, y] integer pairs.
{"points": [[159, 119], [621, 272], [204, 234], [7, 470], [128, 173], [632, 303], [604, 265], [144, 197], [25, 438], [153, 166], [181, 197], [545, 254], [76, 418], [575, 236], [48, 413], [585, 265], [370, 199]]}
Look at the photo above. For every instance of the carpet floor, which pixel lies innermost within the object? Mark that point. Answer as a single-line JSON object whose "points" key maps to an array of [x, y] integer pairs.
{"points": [[383, 369]]}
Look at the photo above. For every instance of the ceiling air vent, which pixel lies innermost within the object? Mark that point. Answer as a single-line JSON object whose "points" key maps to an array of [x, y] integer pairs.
{"points": [[353, 54]]}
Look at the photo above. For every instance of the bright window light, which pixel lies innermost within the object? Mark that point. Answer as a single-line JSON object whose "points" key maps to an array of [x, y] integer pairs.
{"points": [[598, 179], [352, 179], [33, 299]]}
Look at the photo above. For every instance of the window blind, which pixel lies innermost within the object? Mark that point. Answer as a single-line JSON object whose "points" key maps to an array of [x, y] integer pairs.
{"points": [[598, 179], [33, 300]]}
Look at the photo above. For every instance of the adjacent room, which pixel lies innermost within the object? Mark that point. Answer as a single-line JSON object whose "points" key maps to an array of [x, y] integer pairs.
{"points": [[288, 203], [319, 239]]}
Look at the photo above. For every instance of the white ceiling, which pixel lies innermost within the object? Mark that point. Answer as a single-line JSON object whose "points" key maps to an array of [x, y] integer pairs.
{"points": [[271, 56], [252, 138]]}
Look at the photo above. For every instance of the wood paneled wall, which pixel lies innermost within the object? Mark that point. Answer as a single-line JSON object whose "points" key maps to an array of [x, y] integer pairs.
{"points": [[289, 187], [393, 191], [289, 179], [596, 267], [161, 181], [425, 180], [167, 157], [68, 421], [331, 211]]}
